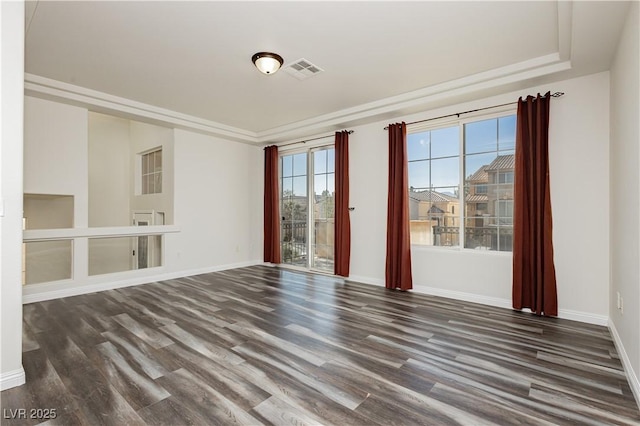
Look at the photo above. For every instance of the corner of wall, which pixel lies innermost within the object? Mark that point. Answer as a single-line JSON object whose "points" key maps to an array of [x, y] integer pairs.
{"points": [[632, 376]]}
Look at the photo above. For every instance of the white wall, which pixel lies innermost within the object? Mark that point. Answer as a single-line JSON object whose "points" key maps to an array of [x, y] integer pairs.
{"points": [[579, 152], [625, 194], [579, 162], [109, 171], [56, 152], [213, 202], [11, 118], [255, 165]]}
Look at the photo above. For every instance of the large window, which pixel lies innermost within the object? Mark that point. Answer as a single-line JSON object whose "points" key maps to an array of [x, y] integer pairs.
{"points": [[468, 165]]}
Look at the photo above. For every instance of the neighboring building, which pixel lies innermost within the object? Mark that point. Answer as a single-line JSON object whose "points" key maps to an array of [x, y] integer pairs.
{"points": [[489, 201], [488, 216], [434, 218], [476, 198], [433, 205], [500, 194]]}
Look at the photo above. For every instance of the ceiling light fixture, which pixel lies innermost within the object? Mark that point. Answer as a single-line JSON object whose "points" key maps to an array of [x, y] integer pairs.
{"points": [[267, 62]]}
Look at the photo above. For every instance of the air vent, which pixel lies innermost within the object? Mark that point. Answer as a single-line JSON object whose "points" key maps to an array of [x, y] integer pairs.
{"points": [[302, 69]]}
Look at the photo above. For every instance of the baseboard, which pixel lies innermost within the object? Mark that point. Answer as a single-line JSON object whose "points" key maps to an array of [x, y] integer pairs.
{"points": [[634, 382], [467, 297], [487, 300], [586, 317], [31, 295], [507, 304], [12, 379], [365, 280]]}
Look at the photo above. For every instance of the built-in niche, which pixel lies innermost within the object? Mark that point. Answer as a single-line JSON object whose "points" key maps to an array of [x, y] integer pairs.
{"points": [[44, 261], [47, 211]]}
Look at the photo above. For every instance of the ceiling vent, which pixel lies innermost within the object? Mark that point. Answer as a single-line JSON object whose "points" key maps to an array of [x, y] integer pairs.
{"points": [[302, 69]]}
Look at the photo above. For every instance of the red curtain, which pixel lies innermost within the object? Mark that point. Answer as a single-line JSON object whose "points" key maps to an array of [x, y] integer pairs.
{"points": [[342, 242], [398, 266], [534, 276], [271, 206]]}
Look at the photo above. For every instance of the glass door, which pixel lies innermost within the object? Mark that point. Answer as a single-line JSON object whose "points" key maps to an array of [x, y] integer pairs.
{"points": [[294, 209], [307, 221], [323, 212]]}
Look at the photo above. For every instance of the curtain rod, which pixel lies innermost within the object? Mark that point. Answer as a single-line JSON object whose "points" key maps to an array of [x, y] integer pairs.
{"points": [[458, 114], [312, 139]]}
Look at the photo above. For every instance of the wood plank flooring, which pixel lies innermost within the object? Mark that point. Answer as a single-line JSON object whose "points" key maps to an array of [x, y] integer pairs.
{"points": [[263, 345]]}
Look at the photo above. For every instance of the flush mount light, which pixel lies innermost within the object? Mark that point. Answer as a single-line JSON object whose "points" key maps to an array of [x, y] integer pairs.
{"points": [[267, 62]]}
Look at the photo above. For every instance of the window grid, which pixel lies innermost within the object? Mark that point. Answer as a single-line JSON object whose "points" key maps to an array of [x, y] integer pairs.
{"points": [[484, 188], [151, 181]]}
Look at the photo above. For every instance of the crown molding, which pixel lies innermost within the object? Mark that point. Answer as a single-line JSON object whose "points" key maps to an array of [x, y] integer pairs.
{"points": [[492, 79], [102, 102], [94, 100]]}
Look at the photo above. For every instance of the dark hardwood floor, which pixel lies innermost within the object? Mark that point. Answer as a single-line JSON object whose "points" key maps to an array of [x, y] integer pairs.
{"points": [[262, 345]]}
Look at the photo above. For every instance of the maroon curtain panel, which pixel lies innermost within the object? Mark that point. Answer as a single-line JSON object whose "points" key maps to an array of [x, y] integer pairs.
{"points": [[534, 276], [398, 265], [271, 206], [342, 224]]}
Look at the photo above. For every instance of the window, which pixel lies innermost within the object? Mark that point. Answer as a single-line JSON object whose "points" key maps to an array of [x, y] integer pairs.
{"points": [[505, 177], [151, 182], [505, 211], [468, 165]]}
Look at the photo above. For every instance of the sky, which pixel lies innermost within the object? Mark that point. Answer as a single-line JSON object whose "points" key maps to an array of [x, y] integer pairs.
{"points": [[434, 154], [433, 157]]}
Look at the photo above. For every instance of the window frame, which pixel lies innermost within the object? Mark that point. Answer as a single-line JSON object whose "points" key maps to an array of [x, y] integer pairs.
{"points": [[310, 175], [141, 175], [488, 114]]}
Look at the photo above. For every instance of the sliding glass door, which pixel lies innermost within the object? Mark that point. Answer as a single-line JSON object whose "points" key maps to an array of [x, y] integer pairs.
{"points": [[294, 209], [307, 221], [323, 209]]}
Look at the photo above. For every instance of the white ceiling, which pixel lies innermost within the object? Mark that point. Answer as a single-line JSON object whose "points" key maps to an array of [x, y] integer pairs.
{"points": [[192, 60]]}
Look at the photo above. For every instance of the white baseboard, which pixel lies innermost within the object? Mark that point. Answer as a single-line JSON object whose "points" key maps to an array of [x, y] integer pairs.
{"points": [[38, 293], [487, 300], [467, 297], [634, 382], [12, 379], [586, 317], [365, 280]]}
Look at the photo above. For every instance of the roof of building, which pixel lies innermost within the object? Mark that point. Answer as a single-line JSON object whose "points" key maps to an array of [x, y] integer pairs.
{"points": [[502, 162], [480, 175], [431, 196], [478, 198]]}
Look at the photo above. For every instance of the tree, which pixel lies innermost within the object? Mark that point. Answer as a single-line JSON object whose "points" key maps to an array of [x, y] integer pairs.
{"points": [[326, 205]]}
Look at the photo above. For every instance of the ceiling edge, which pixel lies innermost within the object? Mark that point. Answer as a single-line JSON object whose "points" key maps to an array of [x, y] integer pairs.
{"points": [[102, 102], [93, 100], [537, 67]]}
